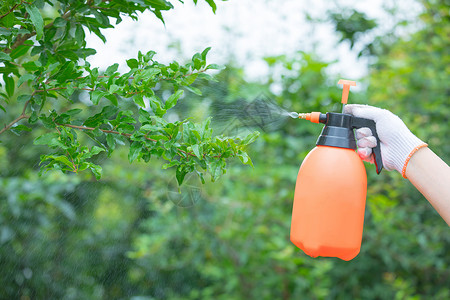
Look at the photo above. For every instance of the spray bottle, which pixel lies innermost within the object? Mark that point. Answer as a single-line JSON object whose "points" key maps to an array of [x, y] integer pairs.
{"points": [[330, 193]]}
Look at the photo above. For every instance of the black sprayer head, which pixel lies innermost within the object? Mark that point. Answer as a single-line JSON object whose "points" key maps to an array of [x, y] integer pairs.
{"points": [[338, 132]]}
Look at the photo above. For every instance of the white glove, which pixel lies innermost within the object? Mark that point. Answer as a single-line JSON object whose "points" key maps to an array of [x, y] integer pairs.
{"points": [[397, 142]]}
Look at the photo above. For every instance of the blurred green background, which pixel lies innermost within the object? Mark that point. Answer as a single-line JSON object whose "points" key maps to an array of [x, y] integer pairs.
{"points": [[131, 235]]}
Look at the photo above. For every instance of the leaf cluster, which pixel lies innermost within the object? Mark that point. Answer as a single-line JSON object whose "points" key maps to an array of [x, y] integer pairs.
{"points": [[43, 64]]}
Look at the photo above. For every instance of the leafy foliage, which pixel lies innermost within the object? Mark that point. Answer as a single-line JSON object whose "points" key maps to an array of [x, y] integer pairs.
{"points": [[70, 237], [351, 25], [45, 63]]}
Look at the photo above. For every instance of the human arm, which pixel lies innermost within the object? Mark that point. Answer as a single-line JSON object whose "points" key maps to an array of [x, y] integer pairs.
{"points": [[431, 176], [403, 151]]}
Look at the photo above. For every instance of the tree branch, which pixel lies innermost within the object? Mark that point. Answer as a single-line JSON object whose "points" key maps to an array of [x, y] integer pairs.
{"points": [[22, 38], [22, 116], [12, 9]]}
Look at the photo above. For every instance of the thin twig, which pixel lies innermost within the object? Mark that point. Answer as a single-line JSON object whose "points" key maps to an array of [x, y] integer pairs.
{"points": [[11, 10], [22, 116]]}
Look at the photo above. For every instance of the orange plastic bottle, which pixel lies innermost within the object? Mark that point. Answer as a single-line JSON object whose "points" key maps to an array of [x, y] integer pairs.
{"points": [[329, 202], [330, 194]]}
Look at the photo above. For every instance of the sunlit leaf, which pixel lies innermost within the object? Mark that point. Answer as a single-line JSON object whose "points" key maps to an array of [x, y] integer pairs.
{"points": [[37, 20], [172, 101], [135, 150]]}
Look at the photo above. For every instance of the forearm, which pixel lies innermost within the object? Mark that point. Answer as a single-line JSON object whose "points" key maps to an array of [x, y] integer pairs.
{"points": [[430, 175]]}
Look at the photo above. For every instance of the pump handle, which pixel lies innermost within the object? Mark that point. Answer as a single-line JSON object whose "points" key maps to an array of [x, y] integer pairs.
{"points": [[361, 122]]}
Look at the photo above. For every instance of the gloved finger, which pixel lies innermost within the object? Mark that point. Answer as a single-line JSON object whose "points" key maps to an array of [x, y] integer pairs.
{"points": [[363, 132], [366, 154], [364, 111], [368, 141]]}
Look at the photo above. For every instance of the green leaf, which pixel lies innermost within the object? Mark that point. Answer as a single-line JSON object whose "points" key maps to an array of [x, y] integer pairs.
{"points": [[33, 117], [180, 174], [150, 73], [63, 159], [144, 116], [149, 127], [21, 128], [24, 78], [200, 174], [59, 22], [194, 90], [205, 52], [96, 150], [171, 164], [80, 35], [159, 137], [36, 19], [98, 33], [172, 101], [112, 69], [113, 88], [125, 128], [73, 112], [212, 4], [109, 111], [47, 121], [207, 77], [175, 66], [30, 66], [198, 150], [139, 100], [156, 107], [67, 71], [190, 79], [112, 98], [4, 57], [96, 170], [46, 139], [133, 63], [214, 67], [111, 141], [21, 50], [198, 63], [215, 169], [250, 138], [23, 98], [9, 85], [96, 96], [243, 156], [36, 50], [135, 150]]}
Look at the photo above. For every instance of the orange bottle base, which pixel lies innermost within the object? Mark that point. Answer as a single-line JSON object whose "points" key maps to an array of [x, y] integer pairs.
{"points": [[328, 251]]}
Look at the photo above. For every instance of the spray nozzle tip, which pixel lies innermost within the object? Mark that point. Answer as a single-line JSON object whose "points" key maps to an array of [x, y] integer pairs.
{"points": [[315, 117], [293, 114], [304, 116]]}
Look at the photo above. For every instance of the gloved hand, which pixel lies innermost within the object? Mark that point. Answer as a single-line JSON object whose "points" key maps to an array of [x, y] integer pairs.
{"points": [[398, 144]]}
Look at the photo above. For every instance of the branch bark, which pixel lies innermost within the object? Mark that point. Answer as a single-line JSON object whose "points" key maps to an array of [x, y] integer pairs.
{"points": [[22, 116], [11, 10]]}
